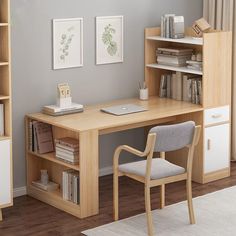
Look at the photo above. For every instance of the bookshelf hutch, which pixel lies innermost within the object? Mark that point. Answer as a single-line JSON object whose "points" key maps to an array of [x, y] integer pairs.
{"points": [[6, 100], [213, 153], [213, 115]]}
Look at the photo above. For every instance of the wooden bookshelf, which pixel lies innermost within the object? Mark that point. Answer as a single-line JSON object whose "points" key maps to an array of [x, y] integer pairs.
{"points": [[52, 157], [211, 162], [6, 188]]}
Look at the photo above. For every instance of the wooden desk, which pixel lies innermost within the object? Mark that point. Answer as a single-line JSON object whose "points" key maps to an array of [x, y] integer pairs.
{"points": [[87, 127]]}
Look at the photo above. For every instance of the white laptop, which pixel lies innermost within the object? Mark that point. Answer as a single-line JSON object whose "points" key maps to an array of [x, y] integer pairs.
{"points": [[123, 109]]}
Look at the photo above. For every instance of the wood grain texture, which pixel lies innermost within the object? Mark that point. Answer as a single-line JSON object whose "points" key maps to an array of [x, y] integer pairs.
{"points": [[89, 173], [29, 216], [93, 119], [217, 72]]}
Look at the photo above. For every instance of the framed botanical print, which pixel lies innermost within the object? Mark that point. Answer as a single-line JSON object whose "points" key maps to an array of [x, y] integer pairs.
{"points": [[109, 39], [67, 43]]}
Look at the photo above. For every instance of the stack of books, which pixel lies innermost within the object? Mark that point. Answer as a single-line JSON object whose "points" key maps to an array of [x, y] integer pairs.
{"points": [[70, 186], [172, 26], [67, 149], [182, 87], [51, 186], [1, 119], [194, 65], [54, 110], [40, 137], [173, 56]]}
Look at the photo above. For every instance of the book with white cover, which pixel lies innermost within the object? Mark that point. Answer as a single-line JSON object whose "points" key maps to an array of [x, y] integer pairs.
{"points": [[1, 119], [55, 108]]}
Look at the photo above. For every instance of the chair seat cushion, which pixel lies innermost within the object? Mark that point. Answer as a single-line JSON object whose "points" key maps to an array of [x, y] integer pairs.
{"points": [[161, 168]]}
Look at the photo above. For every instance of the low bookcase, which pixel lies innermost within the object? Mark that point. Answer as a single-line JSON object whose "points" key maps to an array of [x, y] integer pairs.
{"points": [[55, 168]]}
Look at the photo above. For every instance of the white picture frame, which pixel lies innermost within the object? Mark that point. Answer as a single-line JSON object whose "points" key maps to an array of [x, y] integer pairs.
{"points": [[67, 43], [109, 39]]}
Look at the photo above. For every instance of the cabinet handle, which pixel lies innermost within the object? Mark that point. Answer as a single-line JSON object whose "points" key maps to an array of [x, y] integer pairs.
{"points": [[216, 116], [208, 144]]}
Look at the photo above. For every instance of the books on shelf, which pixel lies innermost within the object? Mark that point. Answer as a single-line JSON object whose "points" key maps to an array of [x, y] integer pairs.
{"points": [[40, 137], [51, 186], [173, 56], [2, 120], [70, 186], [195, 65], [67, 149], [182, 87], [172, 26]]}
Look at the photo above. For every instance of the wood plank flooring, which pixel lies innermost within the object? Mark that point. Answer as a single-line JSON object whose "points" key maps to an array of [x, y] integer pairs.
{"points": [[34, 218]]}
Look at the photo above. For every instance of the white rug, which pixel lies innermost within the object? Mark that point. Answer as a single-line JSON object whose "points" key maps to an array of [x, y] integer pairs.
{"points": [[215, 216]]}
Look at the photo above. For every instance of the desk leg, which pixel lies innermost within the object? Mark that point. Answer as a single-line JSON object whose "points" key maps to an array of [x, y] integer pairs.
{"points": [[89, 195], [0, 214]]}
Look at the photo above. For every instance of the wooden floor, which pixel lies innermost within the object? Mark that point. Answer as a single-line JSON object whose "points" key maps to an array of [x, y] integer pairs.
{"points": [[34, 218]]}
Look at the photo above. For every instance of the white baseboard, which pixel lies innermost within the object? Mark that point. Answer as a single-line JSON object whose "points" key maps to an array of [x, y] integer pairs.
{"points": [[106, 171], [17, 192]]}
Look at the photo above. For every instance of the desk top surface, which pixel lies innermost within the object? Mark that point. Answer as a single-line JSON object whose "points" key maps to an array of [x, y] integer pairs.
{"points": [[93, 119]]}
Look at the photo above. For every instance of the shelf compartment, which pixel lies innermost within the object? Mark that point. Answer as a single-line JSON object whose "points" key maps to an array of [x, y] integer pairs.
{"points": [[4, 11], [185, 40], [52, 157], [55, 199], [174, 68]]}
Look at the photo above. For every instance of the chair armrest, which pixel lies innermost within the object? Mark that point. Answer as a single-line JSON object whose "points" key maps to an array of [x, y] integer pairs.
{"points": [[150, 143]]}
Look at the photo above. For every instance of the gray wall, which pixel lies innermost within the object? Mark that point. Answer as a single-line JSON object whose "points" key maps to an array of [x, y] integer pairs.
{"points": [[34, 82]]}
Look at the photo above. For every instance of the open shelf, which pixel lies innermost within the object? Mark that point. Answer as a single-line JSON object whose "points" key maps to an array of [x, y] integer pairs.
{"points": [[55, 199], [51, 157], [174, 68], [185, 40]]}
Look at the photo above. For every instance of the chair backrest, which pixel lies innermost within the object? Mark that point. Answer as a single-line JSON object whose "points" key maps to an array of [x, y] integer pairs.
{"points": [[173, 137]]}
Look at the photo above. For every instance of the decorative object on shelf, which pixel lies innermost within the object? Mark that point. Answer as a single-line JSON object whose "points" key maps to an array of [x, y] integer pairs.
{"points": [[200, 26], [172, 26], [67, 43], [143, 91], [67, 149], [44, 177], [173, 56], [109, 39], [64, 103]]}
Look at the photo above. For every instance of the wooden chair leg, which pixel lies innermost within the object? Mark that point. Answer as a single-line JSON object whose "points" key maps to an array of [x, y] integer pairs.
{"points": [[162, 196], [190, 201], [0, 214], [116, 195], [148, 210]]}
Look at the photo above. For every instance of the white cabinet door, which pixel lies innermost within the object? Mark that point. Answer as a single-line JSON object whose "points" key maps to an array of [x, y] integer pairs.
{"points": [[216, 148], [5, 172]]}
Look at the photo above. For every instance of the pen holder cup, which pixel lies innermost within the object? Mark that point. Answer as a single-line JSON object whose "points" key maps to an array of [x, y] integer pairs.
{"points": [[143, 94]]}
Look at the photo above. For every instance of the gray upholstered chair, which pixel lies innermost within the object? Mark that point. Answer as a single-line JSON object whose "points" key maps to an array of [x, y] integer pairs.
{"points": [[158, 171]]}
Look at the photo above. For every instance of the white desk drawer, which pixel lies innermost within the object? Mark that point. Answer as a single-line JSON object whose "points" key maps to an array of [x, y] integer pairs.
{"points": [[216, 115]]}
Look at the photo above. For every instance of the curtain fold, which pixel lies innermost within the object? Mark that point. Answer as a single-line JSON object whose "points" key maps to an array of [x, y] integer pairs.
{"points": [[221, 15]]}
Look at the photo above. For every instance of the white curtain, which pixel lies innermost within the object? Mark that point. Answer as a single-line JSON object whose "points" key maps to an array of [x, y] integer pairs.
{"points": [[221, 15]]}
